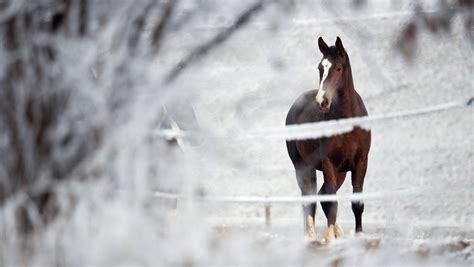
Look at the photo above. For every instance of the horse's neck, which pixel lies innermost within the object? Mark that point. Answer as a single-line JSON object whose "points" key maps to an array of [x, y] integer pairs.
{"points": [[345, 107], [347, 101]]}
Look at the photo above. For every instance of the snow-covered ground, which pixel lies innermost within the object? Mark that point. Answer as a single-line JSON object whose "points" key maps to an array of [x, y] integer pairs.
{"points": [[248, 84]]}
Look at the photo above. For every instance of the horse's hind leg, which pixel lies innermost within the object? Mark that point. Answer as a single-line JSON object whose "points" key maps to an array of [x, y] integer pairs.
{"points": [[306, 178], [358, 176]]}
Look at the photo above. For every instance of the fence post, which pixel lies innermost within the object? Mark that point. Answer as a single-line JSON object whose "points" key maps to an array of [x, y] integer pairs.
{"points": [[268, 214]]}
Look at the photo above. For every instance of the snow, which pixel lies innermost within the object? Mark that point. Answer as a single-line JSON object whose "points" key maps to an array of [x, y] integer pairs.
{"points": [[418, 186]]}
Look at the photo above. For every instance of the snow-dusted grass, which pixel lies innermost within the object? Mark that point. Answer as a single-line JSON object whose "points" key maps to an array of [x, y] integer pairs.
{"points": [[246, 86]]}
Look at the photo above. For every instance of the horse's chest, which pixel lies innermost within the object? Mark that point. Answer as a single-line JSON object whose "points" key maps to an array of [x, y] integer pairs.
{"points": [[309, 151], [341, 150]]}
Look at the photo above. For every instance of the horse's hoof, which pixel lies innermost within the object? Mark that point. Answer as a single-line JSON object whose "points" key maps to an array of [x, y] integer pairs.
{"points": [[330, 236], [310, 228], [338, 231]]}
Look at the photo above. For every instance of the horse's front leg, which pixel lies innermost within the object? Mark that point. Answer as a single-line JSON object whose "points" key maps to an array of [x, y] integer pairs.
{"points": [[358, 175], [338, 231], [329, 207]]}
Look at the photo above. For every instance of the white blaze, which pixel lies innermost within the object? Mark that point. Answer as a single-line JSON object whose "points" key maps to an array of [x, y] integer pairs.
{"points": [[326, 65]]}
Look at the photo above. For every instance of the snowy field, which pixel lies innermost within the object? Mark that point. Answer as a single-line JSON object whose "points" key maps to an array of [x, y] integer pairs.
{"points": [[246, 85], [250, 83]]}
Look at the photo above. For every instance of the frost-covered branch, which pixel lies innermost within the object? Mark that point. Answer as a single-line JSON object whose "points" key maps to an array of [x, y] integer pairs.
{"points": [[202, 50]]}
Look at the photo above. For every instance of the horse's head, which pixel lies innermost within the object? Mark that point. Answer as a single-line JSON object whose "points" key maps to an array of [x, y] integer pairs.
{"points": [[332, 72]]}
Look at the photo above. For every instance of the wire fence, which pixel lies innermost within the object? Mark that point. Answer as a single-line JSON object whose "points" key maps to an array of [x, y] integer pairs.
{"points": [[311, 131], [291, 199], [318, 129]]}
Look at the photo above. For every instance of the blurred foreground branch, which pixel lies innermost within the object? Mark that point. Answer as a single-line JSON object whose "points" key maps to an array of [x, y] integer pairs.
{"points": [[202, 50]]}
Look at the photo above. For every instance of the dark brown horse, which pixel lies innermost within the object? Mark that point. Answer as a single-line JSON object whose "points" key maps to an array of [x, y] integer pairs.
{"points": [[335, 155]]}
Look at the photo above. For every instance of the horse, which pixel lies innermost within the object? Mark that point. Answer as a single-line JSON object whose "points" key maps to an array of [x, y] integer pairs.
{"points": [[175, 115], [334, 155]]}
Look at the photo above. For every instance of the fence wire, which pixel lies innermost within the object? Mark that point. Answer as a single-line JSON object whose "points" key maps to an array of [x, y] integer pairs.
{"points": [[318, 129]]}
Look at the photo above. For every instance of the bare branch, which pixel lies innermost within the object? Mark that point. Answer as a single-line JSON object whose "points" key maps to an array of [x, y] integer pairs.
{"points": [[221, 37], [159, 30], [83, 17], [138, 25], [435, 22]]}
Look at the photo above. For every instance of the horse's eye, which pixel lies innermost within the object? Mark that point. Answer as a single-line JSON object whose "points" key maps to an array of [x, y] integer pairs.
{"points": [[339, 69]]}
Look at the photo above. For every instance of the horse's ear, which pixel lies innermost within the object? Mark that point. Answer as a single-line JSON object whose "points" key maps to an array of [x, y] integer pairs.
{"points": [[339, 46], [322, 45]]}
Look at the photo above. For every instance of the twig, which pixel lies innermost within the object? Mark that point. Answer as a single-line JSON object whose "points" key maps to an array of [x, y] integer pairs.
{"points": [[205, 48], [159, 30]]}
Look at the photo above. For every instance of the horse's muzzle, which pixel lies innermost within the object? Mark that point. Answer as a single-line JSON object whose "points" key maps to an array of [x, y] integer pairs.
{"points": [[324, 105]]}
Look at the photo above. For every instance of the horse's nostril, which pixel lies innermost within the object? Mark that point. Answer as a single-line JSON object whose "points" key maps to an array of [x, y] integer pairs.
{"points": [[324, 103]]}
